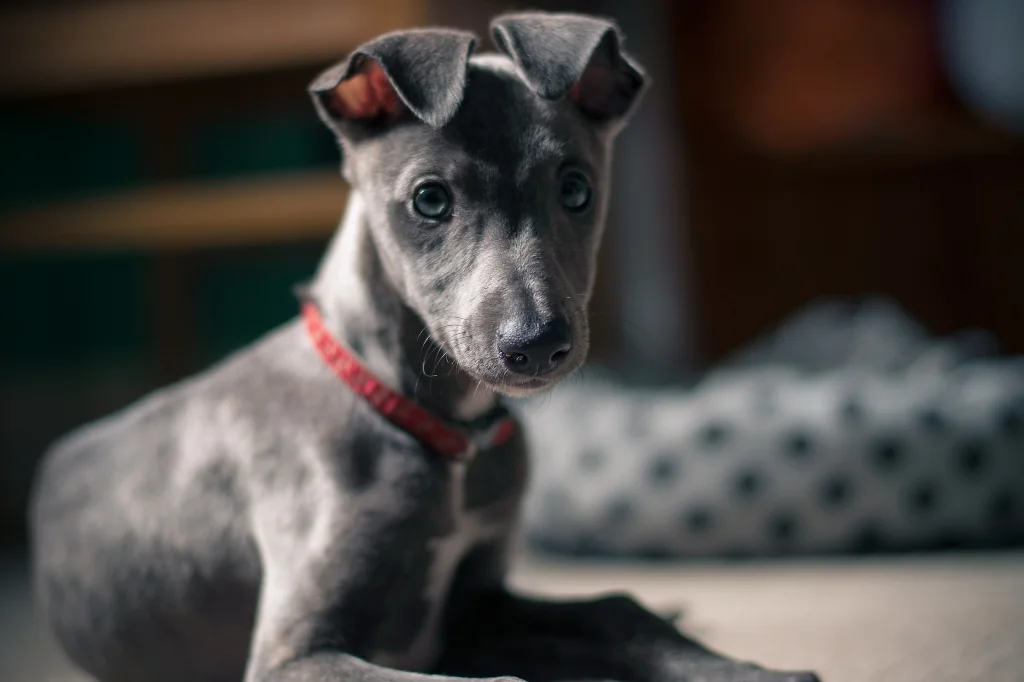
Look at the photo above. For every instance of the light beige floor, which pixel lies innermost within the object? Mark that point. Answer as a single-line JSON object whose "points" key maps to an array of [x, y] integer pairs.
{"points": [[934, 619], [937, 619]]}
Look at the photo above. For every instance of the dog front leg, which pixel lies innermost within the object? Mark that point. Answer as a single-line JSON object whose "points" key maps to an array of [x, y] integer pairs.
{"points": [[338, 667], [308, 629], [323, 598], [611, 637]]}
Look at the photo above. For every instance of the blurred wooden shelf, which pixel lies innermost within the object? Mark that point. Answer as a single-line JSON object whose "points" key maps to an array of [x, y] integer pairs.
{"points": [[953, 141], [285, 208], [78, 46]]}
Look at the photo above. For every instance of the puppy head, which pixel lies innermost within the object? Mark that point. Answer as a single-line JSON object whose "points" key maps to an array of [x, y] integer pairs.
{"points": [[486, 179]]}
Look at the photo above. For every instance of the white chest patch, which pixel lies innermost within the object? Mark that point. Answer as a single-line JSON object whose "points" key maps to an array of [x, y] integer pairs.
{"points": [[448, 551]]}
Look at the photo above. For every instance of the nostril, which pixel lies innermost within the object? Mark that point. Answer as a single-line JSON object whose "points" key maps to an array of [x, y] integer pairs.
{"points": [[516, 358], [533, 348]]}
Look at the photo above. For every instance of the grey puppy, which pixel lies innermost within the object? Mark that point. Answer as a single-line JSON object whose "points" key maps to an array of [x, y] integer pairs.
{"points": [[265, 521]]}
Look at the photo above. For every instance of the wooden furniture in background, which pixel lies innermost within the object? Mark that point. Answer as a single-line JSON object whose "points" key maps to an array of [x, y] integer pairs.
{"points": [[792, 75], [99, 45], [939, 229], [904, 195], [164, 68], [299, 206], [164, 74]]}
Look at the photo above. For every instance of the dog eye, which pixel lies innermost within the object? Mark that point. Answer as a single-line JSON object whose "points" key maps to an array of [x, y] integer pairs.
{"points": [[575, 191], [431, 200]]}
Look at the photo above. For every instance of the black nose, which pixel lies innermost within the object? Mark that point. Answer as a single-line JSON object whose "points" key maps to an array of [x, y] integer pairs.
{"points": [[535, 349]]}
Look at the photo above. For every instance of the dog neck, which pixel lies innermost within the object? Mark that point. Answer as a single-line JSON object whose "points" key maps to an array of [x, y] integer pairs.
{"points": [[361, 307]]}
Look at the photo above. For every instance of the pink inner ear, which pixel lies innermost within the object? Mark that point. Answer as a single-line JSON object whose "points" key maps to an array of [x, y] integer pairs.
{"points": [[594, 88], [366, 94]]}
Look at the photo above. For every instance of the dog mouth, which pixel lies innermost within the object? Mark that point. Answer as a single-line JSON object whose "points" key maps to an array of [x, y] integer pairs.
{"points": [[500, 380], [513, 385], [520, 388]]}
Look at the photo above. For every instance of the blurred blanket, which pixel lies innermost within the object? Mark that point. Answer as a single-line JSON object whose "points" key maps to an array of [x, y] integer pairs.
{"points": [[849, 428]]}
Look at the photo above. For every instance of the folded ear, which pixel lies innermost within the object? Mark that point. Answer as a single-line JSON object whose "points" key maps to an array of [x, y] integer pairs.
{"points": [[574, 55], [421, 70]]}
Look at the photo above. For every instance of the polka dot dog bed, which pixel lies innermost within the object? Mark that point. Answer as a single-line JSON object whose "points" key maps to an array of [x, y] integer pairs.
{"points": [[846, 430]]}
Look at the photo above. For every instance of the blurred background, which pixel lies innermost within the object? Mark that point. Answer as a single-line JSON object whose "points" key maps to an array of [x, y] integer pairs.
{"points": [[164, 182]]}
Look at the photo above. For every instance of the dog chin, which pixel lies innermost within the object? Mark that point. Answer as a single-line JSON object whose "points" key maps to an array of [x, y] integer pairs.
{"points": [[515, 387], [525, 390], [499, 380]]}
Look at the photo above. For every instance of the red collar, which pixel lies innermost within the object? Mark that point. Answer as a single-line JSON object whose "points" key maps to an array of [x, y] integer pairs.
{"points": [[435, 434]]}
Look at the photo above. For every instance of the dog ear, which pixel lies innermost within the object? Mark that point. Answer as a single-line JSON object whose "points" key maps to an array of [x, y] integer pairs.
{"points": [[423, 71], [574, 55]]}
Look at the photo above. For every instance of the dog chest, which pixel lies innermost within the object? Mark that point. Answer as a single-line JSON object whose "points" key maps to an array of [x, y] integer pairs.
{"points": [[470, 527]]}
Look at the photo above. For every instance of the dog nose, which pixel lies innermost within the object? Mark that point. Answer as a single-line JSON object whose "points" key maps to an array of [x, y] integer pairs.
{"points": [[535, 350]]}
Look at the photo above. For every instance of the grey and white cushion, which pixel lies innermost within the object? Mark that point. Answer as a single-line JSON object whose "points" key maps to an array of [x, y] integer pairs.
{"points": [[848, 429]]}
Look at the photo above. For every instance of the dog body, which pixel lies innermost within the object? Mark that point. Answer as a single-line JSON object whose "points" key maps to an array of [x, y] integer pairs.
{"points": [[151, 565], [265, 522]]}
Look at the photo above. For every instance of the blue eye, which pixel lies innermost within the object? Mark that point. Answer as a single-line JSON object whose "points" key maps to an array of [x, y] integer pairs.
{"points": [[575, 192], [432, 201]]}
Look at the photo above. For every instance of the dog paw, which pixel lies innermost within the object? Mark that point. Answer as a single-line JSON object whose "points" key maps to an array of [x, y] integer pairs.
{"points": [[746, 673], [777, 676]]}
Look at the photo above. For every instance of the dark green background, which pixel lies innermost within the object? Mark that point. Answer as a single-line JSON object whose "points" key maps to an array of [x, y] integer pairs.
{"points": [[78, 327]]}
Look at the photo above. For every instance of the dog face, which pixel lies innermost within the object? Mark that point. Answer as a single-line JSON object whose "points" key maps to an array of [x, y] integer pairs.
{"points": [[487, 179]]}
